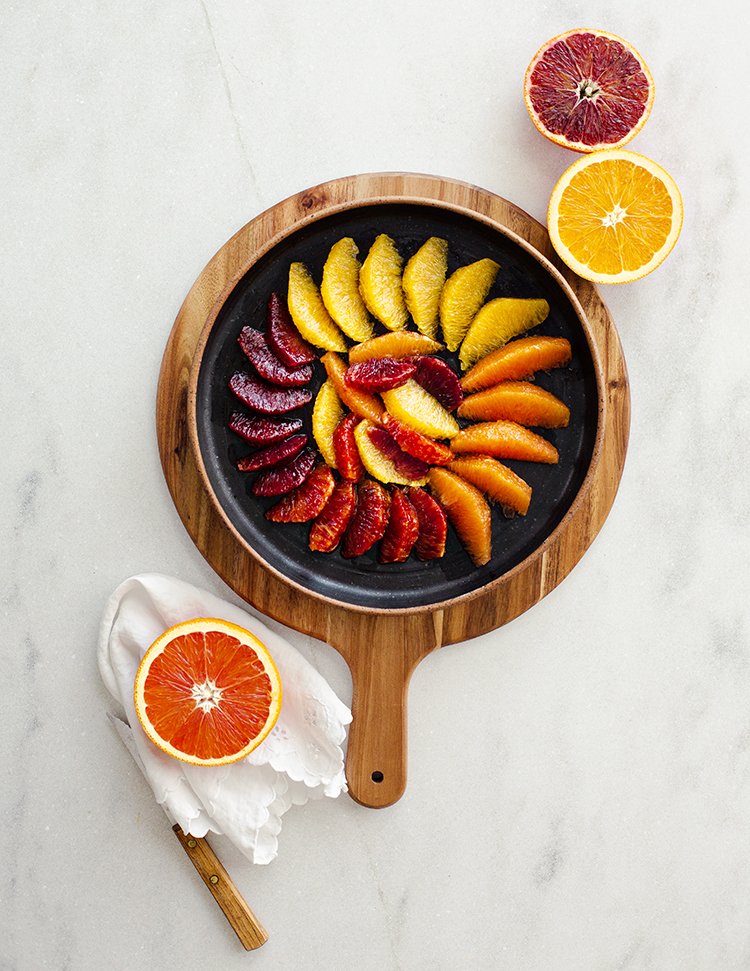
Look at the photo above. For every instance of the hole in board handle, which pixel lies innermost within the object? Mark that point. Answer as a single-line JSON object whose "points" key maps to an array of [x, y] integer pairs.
{"points": [[377, 776]]}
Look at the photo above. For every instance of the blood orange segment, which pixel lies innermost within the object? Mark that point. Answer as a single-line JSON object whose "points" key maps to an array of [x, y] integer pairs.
{"points": [[518, 359], [207, 692], [416, 444], [505, 440], [331, 522], [271, 455], [267, 364], [400, 343], [263, 429], [380, 373], [283, 337], [369, 521], [407, 465], [588, 90], [286, 476], [439, 378], [402, 530], [380, 465], [307, 500], [362, 403], [433, 524], [495, 480], [520, 401], [268, 399], [467, 510], [345, 449]]}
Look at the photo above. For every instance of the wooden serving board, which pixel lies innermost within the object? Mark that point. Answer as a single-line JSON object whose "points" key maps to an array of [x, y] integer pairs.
{"points": [[382, 647]]}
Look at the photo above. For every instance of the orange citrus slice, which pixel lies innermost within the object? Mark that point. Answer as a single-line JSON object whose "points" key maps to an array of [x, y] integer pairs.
{"points": [[518, 359], [495, 480], [308, 311], [422, 282], [464, 293], [327, 413], [614, 216], [520, 401], [417, 408], [588, 89], [207, 692], [380, 283], [375, 462], [340, 290], [498, 322], [468, 510], [505, 440], [398, 344], [362, 403]]}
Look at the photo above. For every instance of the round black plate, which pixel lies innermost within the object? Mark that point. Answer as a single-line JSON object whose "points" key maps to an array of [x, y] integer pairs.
{"points": [[363, 582]]}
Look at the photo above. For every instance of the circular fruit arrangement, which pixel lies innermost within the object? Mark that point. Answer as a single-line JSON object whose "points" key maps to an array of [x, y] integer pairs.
{"points": [[207, 692], [402, 444]]}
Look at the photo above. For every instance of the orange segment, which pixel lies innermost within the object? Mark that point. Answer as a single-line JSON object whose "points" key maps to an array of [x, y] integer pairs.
{"points": [[464, 293], [340, 290], [518, 359], [520, 401], [308, 311], [467, 510], [495, 480], [327, 413], [380, 283], [207, 692], [362, 403], [417, 408], [399, 344], [422, 282], [614, 216], [378, 465], [498, 322], [505, 440]]}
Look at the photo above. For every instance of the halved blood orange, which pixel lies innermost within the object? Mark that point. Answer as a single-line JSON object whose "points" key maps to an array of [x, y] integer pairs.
{"points": [[207, 692], [588, 90]]}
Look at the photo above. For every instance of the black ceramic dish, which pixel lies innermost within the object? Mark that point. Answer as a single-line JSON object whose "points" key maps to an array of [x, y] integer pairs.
{"points": [[363, 582]]}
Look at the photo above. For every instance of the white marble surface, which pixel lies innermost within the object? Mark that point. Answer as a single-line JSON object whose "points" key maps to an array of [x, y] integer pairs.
{"points": [[579, 781]]}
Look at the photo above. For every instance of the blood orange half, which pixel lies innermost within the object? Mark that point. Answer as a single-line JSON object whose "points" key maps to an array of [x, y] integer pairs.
{"points": [[588, 90], [207, 692]]}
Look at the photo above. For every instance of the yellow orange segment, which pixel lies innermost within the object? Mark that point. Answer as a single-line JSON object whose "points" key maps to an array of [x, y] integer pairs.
{"points": [[520, 401], [614, 216], [398, 344], [380, 283], [308, 311], [422, 282], [207, 692], [518, 359], [362, 403], [495, 480], [463, 294], [417, 408], [379, 466], [505, 440], [327, 413], [467, 510], [339, 290], [497, 322]]}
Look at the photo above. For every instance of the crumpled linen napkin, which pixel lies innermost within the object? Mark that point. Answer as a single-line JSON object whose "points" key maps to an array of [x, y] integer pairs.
{"points": [[300, 759]]}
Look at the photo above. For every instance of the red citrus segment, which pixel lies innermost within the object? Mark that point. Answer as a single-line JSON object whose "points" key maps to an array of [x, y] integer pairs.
{"points": [[407, 465], [283, 337], [285, 476], [307, 500], [271, 455], [267, 398], [520, 401], [433, 524], [207, 692], [362, 403], [402, 530], [267, 364], [379, 373], [345, 448], [505, 440], [588, 90], [440, 380], [495, 480], [331, 523], [417, 444], [369, 520], [263, 429], [516, 360], [467, 510]]}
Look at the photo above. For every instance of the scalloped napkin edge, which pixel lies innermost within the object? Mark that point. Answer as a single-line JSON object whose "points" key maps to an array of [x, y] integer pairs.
{"points": [[300, 759]]}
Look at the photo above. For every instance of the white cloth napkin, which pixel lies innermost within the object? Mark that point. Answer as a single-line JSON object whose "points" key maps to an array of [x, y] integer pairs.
{"points": [[300, 759]]}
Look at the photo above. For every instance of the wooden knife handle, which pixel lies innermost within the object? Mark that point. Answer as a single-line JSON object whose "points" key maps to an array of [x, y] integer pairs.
{"points": [[244, 922]]}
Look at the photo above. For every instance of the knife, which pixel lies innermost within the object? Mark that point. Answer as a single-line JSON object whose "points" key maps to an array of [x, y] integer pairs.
{"points": [[245, 924]]}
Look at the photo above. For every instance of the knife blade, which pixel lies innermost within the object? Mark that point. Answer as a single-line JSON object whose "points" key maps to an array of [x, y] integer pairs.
{"points": [[245, 924]]}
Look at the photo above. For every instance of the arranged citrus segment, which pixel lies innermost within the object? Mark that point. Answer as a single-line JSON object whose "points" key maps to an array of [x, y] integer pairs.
{"points": [[380, 283], [464, 293], [520, 401], [369, 521], [496, 323], [417, 444], [468, 511], [379, 373], [588, 90], [263, 429], [207, 692], [308, 311], [345, 449], [273, 454], [422, 283], [339, 290], [307, 500], [495, 480], [398, 344], [377, 463], [283, 337], [519, 359], [406, 464], [327, 413], [362, 403], [439, 378], [417, 408], [614, 216], [401, 532], [332, 521], [267, 364], [285, 476], [267, 398], [505, 440], [433, 524]]}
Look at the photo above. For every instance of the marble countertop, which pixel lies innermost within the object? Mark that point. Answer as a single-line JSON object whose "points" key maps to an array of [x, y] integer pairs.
{"points": [[579, 780]]}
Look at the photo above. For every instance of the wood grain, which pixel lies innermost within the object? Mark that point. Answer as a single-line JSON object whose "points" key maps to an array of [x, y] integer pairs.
{"points": [[382, 648]]}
